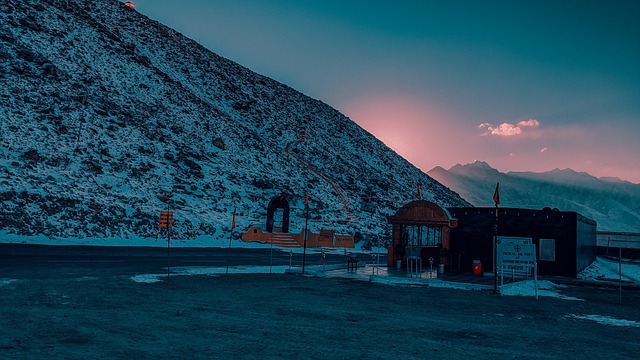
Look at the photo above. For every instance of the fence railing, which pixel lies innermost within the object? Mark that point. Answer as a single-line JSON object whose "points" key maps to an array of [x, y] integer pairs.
{"points": [[618, 240]]}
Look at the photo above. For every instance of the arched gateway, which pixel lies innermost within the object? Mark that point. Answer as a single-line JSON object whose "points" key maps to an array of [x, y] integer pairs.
{"points": [[424, 228], [278, 232], [278, 202]]}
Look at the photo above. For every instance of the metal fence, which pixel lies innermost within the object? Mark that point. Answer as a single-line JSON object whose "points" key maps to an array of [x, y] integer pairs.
{"points": [[618, 240]]}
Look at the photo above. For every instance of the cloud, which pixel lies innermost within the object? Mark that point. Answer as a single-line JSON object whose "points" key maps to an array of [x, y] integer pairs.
{"points": [[506, 129], [529, 123]]}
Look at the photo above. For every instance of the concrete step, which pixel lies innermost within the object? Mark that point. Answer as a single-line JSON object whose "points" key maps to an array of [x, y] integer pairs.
{"points": [[283, 240]]}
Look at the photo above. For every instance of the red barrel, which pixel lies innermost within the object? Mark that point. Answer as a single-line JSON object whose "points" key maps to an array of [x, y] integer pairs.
{"points": [[477, 268]]}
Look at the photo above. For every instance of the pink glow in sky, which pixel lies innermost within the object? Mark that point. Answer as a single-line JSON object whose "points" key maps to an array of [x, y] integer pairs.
{"points": [[428, 136], [524, 86], [418, 131]]}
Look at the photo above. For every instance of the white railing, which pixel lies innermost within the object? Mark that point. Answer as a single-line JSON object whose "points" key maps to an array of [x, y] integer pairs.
{"points": [[618, 240]]}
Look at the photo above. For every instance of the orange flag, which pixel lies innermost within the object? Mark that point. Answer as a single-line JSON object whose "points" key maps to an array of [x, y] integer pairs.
{"points": [[496, 197], [233, 222]]}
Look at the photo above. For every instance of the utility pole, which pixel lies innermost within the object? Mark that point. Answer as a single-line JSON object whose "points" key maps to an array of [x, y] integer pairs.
{"points": [[306, 229], [233, 226], [496, 200], [166, 221], [169, 252]]}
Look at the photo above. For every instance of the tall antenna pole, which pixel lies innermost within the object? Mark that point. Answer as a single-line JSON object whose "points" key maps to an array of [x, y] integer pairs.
{"points": [[306, 229], [496, 200], [169, 226]]}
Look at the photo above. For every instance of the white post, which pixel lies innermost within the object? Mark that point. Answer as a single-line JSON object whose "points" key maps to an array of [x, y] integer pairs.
{"points": [[323, 260], [501, 278], [535, 272], [373, 266], [620, 273], [378, 260]]}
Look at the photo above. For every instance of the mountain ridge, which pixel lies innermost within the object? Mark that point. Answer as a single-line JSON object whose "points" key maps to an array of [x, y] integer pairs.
{"points": [[612, 204], [109, 117]]}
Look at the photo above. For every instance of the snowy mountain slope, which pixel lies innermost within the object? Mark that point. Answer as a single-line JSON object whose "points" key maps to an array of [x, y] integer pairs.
{"points": [[614, 204], [108, 117]]}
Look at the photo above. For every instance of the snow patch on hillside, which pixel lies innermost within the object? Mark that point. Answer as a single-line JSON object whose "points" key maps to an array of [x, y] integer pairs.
{"points": [[109, 117]]}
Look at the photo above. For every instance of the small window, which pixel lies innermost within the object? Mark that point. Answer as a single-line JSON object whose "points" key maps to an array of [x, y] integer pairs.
{"points": [[548, 249], [422, 236]]}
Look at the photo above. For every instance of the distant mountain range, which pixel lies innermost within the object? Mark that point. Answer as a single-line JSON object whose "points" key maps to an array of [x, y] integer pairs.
{"points": [[108, 117], [614, 204]]}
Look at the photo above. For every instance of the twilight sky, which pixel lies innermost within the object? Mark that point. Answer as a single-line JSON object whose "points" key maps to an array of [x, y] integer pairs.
{"points": [[522, 85]]}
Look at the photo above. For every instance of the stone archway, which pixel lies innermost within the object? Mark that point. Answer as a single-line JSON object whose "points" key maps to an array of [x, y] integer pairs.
{"points": [[278, 202]]}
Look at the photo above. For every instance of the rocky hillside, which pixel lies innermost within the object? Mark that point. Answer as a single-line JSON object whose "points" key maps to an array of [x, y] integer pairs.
{"points": [[612, 203], [108, 117]]}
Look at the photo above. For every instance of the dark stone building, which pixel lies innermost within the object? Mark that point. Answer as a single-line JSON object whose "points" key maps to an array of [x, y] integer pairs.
{"points": [[569, 238]]}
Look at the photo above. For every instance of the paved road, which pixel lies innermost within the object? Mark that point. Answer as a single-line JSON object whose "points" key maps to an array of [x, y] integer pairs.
{"points": [[147, 259]]}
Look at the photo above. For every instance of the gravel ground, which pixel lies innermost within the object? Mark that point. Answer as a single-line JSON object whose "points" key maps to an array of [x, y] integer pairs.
{"points": [[58, 311]]}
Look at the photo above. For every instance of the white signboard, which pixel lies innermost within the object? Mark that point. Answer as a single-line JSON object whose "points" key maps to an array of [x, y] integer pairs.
{"points": [[516, 258], [513, 271], [524, 254], [514, 240]]}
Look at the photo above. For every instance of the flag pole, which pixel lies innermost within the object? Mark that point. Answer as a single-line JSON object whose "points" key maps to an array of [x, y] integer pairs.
{"points": [[496, 200], [233, 226], [306, 231], [168, 247]]}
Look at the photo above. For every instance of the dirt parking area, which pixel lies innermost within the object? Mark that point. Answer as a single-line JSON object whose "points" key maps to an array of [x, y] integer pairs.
{"points": [[61, 312]]}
